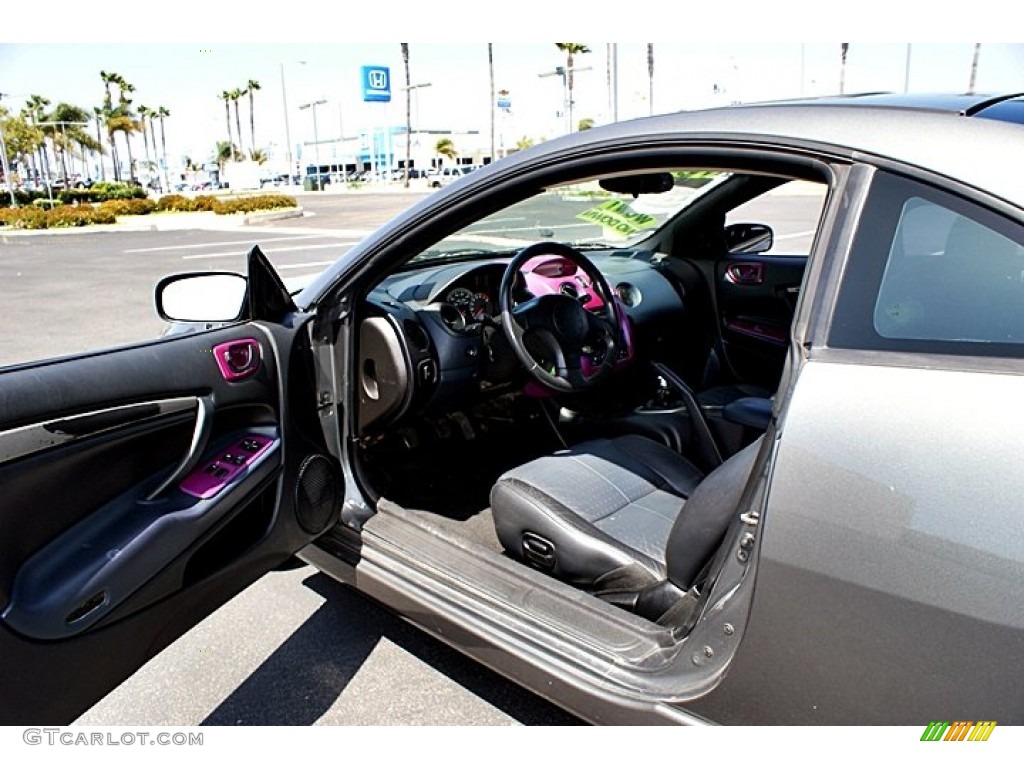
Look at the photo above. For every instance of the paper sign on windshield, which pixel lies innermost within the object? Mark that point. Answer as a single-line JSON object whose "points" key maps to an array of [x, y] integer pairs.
{"points": [[618, 217]]}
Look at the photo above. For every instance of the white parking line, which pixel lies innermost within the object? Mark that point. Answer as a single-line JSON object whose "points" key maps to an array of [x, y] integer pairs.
{"points": [[210, 245], [794, 235], [272, 252], [356, 233], [535, 228], [303, 265], [510, 218]]}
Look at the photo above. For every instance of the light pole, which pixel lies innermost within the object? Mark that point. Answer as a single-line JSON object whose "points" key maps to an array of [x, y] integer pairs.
{"points": [[287, 131], [316, 137], [409, 89], [563, 73]]}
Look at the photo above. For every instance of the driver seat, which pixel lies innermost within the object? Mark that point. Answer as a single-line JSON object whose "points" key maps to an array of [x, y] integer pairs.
{"points": [[624, 518]]}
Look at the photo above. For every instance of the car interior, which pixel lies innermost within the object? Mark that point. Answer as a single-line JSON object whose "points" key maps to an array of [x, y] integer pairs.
{"points": [[579, 382]]}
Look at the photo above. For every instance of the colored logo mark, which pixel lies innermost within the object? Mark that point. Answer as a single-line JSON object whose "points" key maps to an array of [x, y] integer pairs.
{"points": [[376, 83], [960, 730]]}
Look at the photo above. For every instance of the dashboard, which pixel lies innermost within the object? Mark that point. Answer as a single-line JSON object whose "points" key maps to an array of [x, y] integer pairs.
{"points": [[431, 338]]}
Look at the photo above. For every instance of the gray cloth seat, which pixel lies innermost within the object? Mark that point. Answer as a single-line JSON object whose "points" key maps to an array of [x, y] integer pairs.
{"points": [[625, 512]]}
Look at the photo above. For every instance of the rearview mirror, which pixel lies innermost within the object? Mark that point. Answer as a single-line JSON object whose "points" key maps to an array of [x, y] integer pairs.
{"points": [[638, 184], [748, 238], [201, 297]]}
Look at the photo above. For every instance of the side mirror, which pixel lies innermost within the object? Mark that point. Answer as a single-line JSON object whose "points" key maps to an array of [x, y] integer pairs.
{"points": [[201, 297], [748, 238]]}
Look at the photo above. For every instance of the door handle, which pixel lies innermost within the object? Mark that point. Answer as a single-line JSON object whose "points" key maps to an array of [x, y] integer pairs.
{"points": [[201, 433], [238, 359], [745, 273]]}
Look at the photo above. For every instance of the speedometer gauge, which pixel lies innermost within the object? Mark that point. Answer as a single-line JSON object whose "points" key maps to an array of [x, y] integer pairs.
{"points": [[481, 305], [461, 298]]}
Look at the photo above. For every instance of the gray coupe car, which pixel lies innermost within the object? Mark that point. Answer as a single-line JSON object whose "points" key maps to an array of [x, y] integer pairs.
{"points": [[709, 417]]}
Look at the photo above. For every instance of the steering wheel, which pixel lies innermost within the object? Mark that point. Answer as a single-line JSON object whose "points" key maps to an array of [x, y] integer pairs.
{"points": [[580, 347]]}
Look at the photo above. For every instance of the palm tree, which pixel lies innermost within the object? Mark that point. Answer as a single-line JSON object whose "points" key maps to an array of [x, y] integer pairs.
{"points": [[608, 54], [225, 151], [126, 122], [524, 143], [974, 68], [34, 111], [109, 78], [251, 87], [155, 165], [650, 77], [107, 110], [446, 148], [21, 137], [98, 113], [226, 96], [144, 112], [163, 112], [117, 121], [69, 135], [844, 48], [408, 114], [236, 95], [571, 50]]}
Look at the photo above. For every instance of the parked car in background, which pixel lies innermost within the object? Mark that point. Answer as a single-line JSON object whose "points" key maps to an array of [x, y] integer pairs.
{"points": [[277, 180], [447, 174], [708, 417]]}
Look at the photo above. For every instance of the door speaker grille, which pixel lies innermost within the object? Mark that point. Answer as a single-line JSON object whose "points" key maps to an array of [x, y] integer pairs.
{"points": [[317, 493]]}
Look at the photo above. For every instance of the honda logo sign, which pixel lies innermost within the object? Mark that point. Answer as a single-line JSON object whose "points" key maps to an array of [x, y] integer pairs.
{"points": [[376, 83]]}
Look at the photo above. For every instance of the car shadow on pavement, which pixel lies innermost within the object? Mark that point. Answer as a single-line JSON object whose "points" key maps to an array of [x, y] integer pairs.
{"points": [[305, 677]]}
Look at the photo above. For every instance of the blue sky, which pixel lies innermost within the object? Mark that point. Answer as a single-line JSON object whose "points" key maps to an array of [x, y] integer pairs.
{"points": [[188, 77]]}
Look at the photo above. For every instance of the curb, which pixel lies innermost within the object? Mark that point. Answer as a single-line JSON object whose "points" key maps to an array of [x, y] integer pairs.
{"points": [[259, 218]]}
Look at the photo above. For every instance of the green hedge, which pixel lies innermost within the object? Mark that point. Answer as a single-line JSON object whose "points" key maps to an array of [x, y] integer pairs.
{"points": [[174, 203], [116, 190], [79, 216], [70, 196], [33, 217], [97, 193], [24, 197], [203, 203], [36, 217], [253, 203], [128, 207]]}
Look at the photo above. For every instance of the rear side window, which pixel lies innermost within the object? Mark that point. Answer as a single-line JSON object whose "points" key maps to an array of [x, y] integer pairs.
{"points": [[932, 272]]}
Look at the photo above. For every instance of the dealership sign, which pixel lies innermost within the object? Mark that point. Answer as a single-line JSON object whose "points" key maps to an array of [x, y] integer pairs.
{"points": [[376, 83]]}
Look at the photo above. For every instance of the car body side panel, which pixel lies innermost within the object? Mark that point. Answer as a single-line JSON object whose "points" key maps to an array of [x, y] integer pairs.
{"points": [[891, 560]]}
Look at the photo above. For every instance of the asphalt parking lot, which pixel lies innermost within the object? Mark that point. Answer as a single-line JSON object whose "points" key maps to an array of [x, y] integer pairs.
{"points": [[76, 290]]}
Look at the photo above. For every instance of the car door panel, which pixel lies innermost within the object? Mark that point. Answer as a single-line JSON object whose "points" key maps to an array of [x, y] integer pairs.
{"points": [[132, 506], [756, 296]]}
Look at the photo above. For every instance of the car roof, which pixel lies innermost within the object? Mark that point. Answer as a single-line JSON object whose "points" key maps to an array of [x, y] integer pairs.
{"points": [[965, 104], [978, 153]]}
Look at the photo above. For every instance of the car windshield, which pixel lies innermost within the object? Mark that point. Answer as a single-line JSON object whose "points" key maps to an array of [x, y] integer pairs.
{"points": [[581, 214]]}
